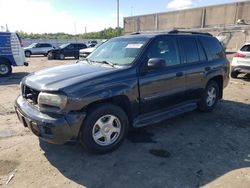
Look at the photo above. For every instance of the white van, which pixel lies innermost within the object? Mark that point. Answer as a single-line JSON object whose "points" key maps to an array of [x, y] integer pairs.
{"points": [[11, 53]]}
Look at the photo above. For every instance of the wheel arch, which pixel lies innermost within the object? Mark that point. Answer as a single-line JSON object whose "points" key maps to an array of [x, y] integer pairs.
{"points": [[28, 51], [219, 80], [120, 100], [6, 60]]}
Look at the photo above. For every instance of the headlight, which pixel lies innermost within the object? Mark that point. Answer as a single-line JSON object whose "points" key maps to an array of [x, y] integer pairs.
{"points": [[52, 100]]}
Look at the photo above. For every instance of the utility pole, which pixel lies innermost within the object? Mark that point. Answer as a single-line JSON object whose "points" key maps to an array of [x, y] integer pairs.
{"points": [[118, 7]]}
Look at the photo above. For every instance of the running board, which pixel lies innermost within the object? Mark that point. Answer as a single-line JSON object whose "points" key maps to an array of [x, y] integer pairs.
{"points": [[158, 116]]}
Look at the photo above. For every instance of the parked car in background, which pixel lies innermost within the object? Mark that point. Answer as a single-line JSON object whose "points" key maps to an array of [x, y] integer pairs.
{"points": [[129, 81], [92, 43], [83, 53], [66, 50], [38, 49], [241, 61], [11, 52]]}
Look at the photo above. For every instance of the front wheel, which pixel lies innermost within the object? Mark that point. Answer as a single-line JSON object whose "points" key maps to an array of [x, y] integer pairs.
{"points": [[27, 53], [5, 69], [209, 97], [104, 129]]}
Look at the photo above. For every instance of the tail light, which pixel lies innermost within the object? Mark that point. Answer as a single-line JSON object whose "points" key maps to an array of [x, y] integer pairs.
{"points": [[239, 55]]}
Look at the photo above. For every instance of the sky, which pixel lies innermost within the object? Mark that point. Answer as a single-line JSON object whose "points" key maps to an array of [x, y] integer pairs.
{"points": [[78, 16]]}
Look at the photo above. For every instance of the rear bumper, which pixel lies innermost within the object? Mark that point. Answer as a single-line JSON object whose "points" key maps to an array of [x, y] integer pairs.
{"points": [[240, 68], [57, 129]]}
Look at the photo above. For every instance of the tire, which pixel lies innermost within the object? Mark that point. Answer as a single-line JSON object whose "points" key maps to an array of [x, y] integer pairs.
{"points": [[50, 56], [27, 53], [234, 74], [5, 69], [61, 56], [209, 97], [97, 135]]}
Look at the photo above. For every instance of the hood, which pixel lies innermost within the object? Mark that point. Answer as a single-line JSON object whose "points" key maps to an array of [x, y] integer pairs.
{"points": [[56, 78]]}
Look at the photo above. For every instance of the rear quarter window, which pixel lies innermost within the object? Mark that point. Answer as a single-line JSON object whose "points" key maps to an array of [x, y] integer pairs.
{"points": [[213, 48]]}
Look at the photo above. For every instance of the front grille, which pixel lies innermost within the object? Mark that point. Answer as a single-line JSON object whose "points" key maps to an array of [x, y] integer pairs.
{"points": [[30, 94]]}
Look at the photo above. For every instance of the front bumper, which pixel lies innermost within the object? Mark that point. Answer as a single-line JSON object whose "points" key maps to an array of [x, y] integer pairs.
{"points": [[52, 128], [240, 68]]}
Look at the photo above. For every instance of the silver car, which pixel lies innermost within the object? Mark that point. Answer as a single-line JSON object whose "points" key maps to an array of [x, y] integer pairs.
{"points": [[241, 61], [37, 49]]}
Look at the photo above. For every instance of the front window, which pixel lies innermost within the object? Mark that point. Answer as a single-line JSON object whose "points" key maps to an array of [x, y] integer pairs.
{"points": [[118, 51]]}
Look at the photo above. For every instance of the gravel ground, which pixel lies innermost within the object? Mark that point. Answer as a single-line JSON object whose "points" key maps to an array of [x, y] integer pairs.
{"points": [[191, 150]]}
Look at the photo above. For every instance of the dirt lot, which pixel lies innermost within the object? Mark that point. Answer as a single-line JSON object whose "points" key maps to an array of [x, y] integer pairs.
{"points": [[192, 150]]}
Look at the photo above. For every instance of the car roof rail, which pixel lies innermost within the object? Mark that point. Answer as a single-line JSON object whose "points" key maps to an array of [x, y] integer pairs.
{"points": [[190, 32], [135, 33]]}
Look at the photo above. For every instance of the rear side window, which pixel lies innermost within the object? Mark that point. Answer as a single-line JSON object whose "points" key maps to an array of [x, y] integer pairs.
{"points": [[245, 48], [189, 49], [45, 45], [213, 48]]}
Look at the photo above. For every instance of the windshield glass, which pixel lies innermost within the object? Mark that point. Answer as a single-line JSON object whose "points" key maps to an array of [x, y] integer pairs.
{"points": [[32, 45], [63, 45], [118, 51]]}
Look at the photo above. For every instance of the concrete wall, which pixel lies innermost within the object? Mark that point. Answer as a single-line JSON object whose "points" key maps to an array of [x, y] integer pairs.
{"points": [[213, 19], [212, 16]]}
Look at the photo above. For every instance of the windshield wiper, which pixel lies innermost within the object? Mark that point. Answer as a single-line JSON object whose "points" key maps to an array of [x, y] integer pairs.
{"points": [[103, 62]]}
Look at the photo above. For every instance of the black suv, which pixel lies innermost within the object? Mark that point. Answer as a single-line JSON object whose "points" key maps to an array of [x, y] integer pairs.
{"points": [[66, 50], [129, 81]]}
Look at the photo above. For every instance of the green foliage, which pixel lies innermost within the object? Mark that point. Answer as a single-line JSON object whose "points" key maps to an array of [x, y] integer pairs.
{"points": [[104, 34]]}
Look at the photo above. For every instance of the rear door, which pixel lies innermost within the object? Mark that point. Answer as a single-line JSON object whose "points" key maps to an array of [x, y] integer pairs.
{"points": [[46, 48], [162, 88], [195, 63]]}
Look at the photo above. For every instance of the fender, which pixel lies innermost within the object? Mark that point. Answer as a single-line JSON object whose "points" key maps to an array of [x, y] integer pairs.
{"points": [[129, 89], [222, 70]]}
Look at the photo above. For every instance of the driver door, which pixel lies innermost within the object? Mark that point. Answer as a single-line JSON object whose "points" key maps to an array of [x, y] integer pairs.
{"points": [[162, 88]]}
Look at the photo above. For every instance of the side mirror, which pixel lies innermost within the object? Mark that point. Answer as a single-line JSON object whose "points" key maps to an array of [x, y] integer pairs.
{"points": [[156, 63]]}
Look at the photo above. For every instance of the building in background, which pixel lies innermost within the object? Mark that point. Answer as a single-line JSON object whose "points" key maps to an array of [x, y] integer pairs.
{"points": [[230, 22]]}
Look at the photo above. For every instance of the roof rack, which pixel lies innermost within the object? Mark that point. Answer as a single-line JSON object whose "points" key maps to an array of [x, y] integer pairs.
{"points": [[135, 33], [190, 32]]}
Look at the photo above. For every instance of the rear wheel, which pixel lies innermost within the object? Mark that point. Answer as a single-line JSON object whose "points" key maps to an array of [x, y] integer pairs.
{"points": [[27, 53], [234, 74], [5, 69], [104, 128], [209, 97]]}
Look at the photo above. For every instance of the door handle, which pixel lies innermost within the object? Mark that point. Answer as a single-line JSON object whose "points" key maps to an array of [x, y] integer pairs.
{"points": [[207, 68], [179, 74]]}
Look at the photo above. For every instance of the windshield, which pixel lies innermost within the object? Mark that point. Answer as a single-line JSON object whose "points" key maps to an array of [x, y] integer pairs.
{"points": [[63, 45], [118, 51], [32, 45]]}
